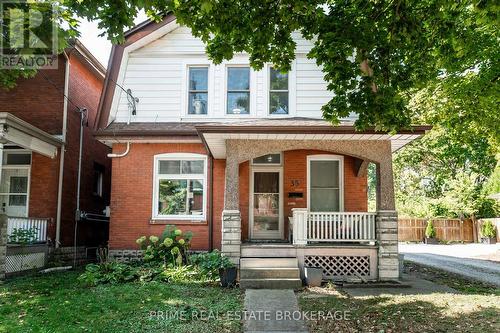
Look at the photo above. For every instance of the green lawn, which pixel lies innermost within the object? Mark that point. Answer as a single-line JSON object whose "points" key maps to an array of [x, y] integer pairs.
{"points": [[58, 303], [476, 308]]}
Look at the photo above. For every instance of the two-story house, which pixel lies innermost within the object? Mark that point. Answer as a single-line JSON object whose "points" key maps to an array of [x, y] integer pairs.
{"points": [[243, 159], [39, 152]]}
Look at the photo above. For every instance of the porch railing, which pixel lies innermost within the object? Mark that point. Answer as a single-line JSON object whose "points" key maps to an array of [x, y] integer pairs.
{"points": [[332, 226], [28, 223]]}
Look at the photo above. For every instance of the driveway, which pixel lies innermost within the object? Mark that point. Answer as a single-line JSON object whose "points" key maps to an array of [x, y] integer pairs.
{"points": [[475, 261]]}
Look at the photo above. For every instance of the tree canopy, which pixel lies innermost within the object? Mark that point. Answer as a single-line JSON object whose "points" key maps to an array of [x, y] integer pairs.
{"points": [[375, 54]]}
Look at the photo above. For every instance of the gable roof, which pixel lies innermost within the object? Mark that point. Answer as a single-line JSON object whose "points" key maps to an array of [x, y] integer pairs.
{"points": [[134, 35]]}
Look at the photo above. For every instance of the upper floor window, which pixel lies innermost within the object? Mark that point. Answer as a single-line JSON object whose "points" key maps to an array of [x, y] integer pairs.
{"points": [[278, 92], [238, 90], [198, 90], [180, 186]]}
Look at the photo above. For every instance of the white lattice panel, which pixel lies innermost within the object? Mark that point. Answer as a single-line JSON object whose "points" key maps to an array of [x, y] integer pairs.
{"points": [[22, 262], [340, 267]]}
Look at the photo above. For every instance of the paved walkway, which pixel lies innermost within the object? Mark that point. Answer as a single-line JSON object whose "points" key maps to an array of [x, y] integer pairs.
{"points": [[463, 259], [272, 311]]}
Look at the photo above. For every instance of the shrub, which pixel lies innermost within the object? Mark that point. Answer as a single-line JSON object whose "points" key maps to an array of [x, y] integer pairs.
{"points": [[488, 230], [210, 263], [430, 232], [170, 248], [23, 236], [107, 272]]}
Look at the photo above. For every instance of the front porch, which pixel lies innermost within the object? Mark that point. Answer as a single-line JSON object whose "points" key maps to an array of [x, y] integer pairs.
{"points": [[303, 182]]}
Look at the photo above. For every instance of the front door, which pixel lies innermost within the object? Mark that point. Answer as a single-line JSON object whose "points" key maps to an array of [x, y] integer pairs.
{"points": [[266, 220]]}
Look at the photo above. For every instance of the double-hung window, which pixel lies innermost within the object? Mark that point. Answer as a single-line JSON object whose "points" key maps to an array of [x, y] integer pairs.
{"points": [[278, 92], [180, 186], [238, 90], [198, 90], [14, 185]]}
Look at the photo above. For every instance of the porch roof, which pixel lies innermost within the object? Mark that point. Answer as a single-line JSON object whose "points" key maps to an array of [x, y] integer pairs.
{"points": [[19, 132], [215, 134]]}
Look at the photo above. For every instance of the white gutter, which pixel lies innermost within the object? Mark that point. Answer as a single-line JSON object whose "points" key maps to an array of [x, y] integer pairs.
{"points": [[63, 148], [121, 154]]}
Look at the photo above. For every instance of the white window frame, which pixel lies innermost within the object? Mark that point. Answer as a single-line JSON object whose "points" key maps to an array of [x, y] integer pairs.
{"points": [[185, 87], [292, 88], [326, 157], [18, 166], [157, 178], [253, 90]]}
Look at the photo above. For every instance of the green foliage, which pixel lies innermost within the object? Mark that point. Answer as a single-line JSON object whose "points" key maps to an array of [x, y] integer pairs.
{"points": [[488, 230], [109, 272], [375, 54], [170, 248], [430, 232], [210, 263], [23, 236]]}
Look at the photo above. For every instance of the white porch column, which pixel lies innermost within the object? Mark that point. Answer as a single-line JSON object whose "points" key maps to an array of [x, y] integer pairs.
{"points": [[299, 226], [387, 236]]}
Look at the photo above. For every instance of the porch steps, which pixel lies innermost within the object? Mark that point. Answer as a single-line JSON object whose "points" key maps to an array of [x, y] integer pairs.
{"points": [[268, 251], [269, 273]]}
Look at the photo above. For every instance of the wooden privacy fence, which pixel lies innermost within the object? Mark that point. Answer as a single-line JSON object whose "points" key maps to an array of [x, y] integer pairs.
{"points": [[413, 230]]}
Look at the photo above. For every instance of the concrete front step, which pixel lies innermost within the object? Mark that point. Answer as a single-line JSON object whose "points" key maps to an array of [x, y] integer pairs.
{"points": [[266, 273], [270, 283], [269, 251], [268, 263]]}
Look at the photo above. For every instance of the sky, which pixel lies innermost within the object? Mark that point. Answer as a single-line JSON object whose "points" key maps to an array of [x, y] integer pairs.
{"points": [[100, 47]]}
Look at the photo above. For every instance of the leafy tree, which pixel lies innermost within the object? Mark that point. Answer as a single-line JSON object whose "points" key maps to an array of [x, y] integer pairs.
{"points": [[375, 53]]}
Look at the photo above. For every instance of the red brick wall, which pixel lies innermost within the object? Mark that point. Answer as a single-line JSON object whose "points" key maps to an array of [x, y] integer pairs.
{"points": [[36, 100], [132, 185], [43, 189], [84, 91], [132, 195]]}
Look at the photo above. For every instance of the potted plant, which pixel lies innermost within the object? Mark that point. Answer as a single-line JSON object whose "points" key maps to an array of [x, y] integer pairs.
{"points": [[488, 233], [227, 272], [430, 234]]}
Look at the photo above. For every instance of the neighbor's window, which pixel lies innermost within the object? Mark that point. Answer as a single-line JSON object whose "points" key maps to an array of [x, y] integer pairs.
{"points": [[238, 90], [198, 90], [98, 179], [278, 92], [180, 186]]}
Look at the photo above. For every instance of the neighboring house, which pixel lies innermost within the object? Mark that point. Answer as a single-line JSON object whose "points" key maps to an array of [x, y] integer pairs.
{"points": [[243, 159], [40, 137]]}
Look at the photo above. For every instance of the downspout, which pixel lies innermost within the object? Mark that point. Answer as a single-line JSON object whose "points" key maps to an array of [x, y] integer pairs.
{"points": [[211, 206], [83, 117], [61, 156]]}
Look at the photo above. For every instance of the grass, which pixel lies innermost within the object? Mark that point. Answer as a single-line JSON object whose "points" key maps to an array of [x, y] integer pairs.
{"points": [[474, 308], [58, 303]]}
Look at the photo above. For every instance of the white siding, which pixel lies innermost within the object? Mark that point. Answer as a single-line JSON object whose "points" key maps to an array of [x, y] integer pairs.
{"points": [[156, 74]]}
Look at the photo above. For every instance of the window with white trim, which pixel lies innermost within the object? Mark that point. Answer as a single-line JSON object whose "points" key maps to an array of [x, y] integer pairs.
{"points": [[325, 185], [15, 179], [278, 92], [180, 186], [198, 90], [238, 90]]}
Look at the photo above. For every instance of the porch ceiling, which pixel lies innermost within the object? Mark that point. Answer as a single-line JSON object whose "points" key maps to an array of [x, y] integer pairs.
{"points": [[19, 132], [216, 134]]}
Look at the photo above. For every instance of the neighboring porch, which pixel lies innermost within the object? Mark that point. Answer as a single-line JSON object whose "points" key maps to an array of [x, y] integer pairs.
{"points": [[301, 184]]}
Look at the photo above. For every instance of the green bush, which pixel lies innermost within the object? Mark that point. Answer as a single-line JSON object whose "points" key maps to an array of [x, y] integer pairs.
{"points": [[430, 232], [107, 272], [170, 248], [488, 230], [210, 263], [23, 236]]}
